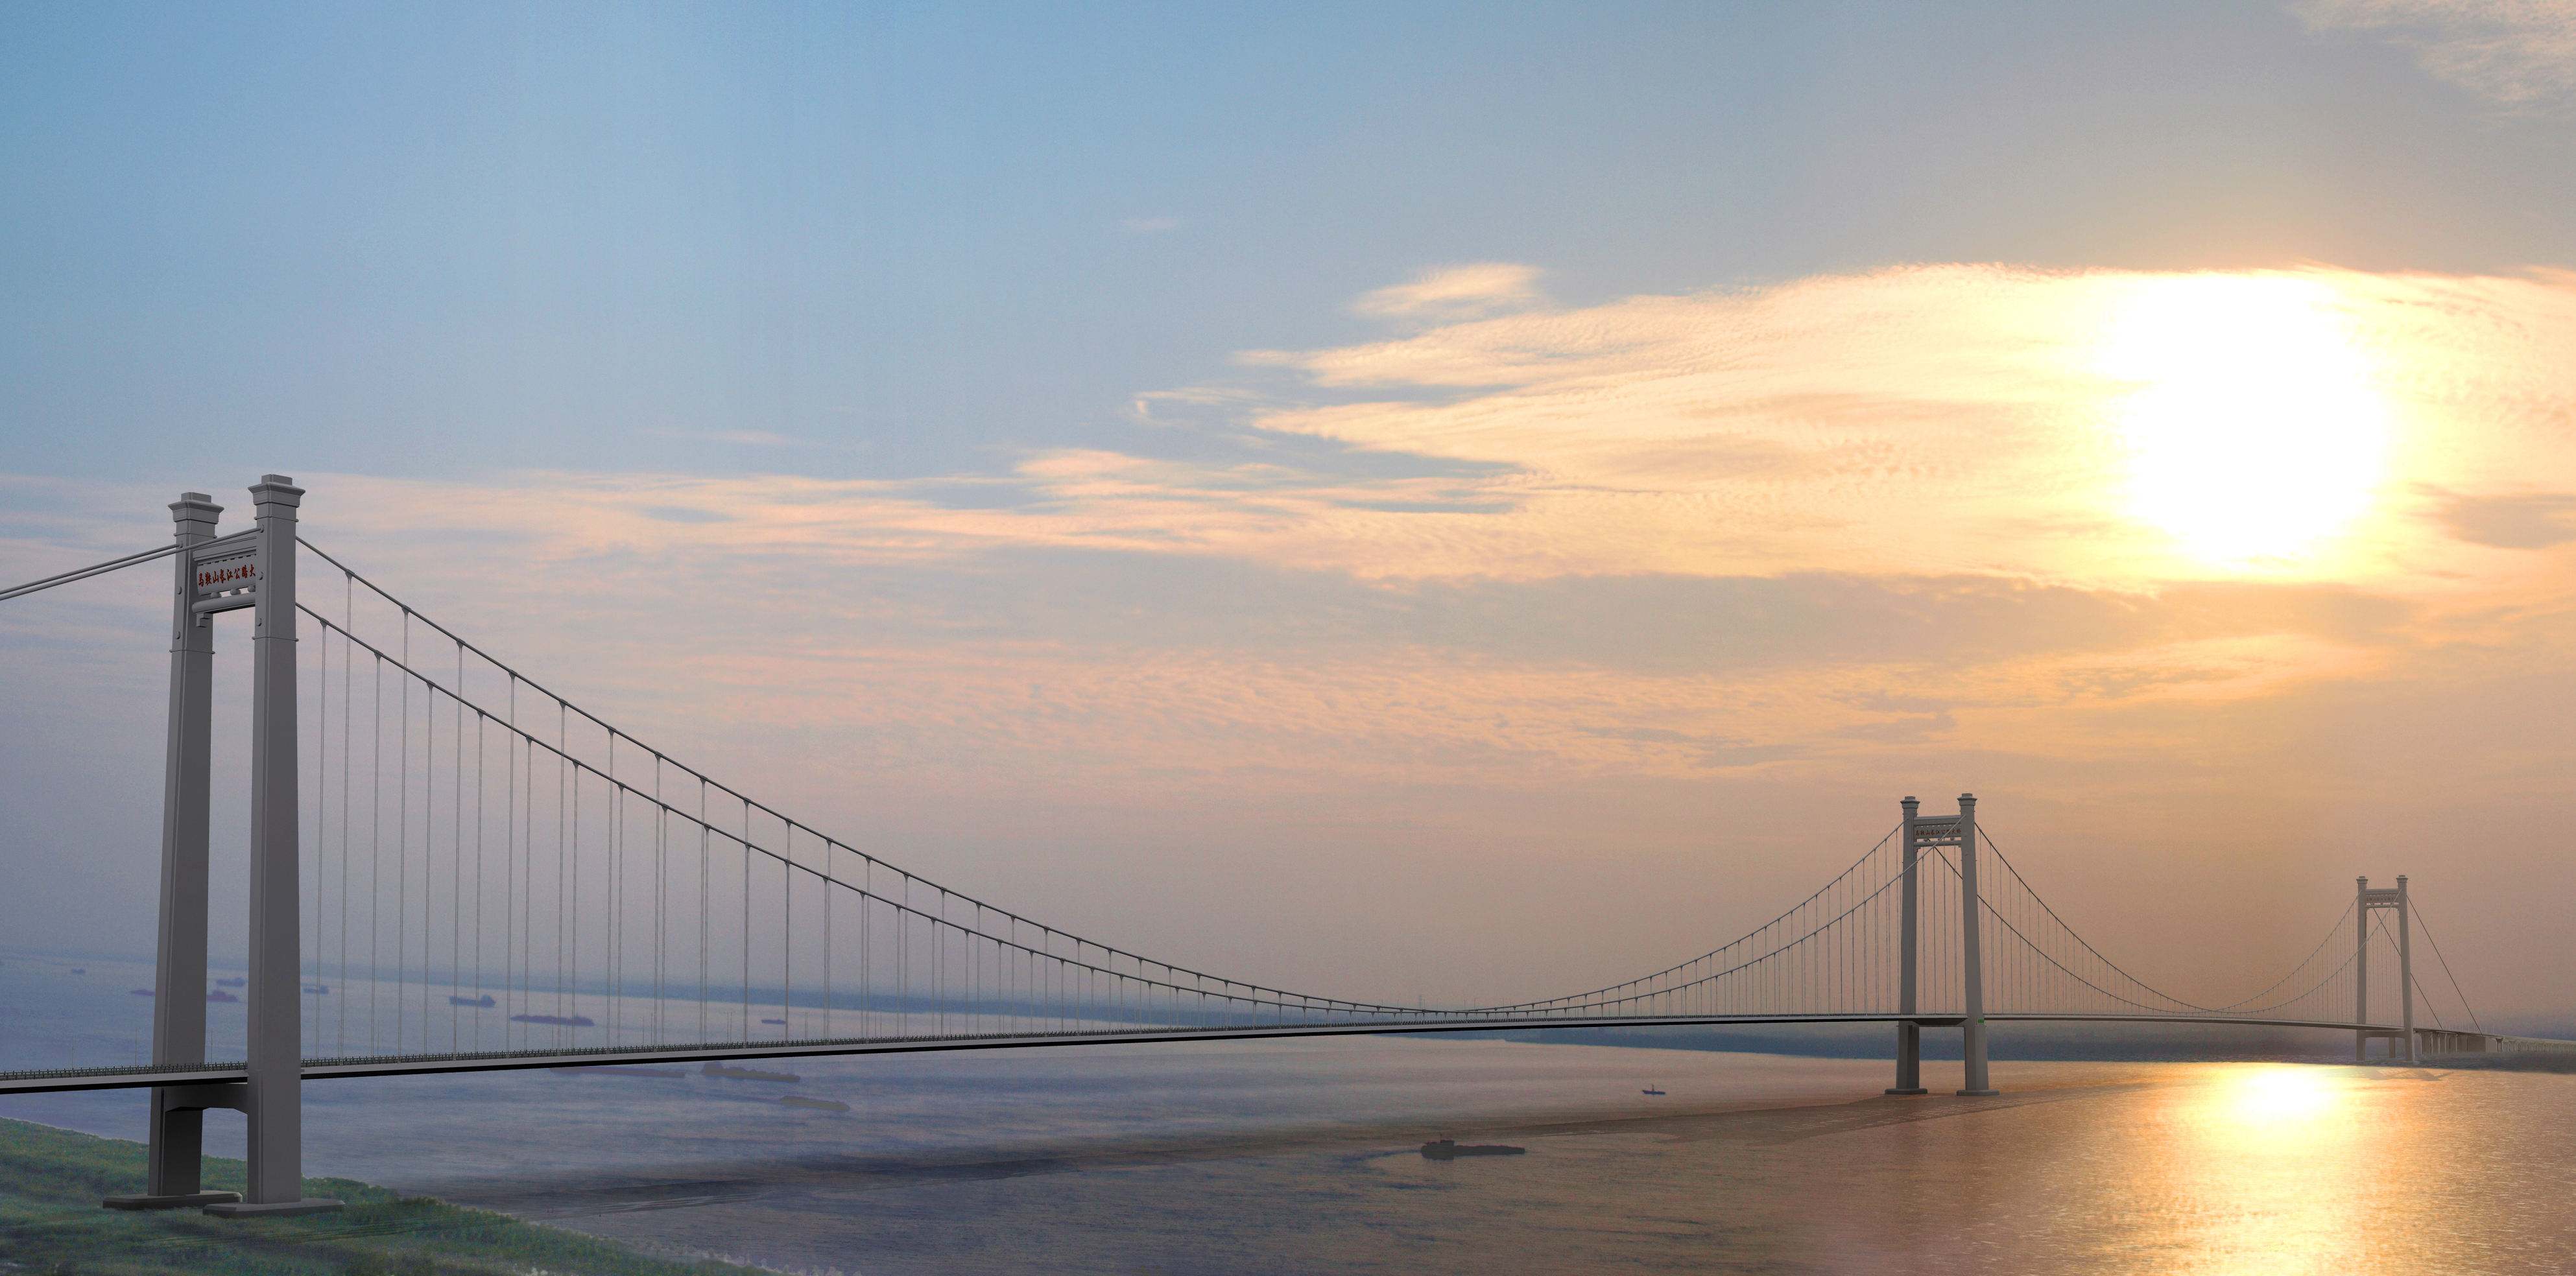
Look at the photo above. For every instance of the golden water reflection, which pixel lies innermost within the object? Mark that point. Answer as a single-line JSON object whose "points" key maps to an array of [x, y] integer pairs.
{"points": [[2257, 1158]]}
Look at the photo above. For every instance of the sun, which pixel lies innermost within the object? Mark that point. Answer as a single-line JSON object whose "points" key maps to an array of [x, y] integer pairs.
{"points": [[2254, 431]]}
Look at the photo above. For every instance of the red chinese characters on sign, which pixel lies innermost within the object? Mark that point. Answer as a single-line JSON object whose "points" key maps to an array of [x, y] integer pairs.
{"points": [[222, 577]]}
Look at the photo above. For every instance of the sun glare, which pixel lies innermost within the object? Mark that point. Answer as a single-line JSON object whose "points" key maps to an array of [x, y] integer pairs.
{"points": [[2279, 1096], [2255, 431]]}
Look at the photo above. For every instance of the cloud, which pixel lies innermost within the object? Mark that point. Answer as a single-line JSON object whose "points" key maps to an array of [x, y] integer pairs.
{"points": [[1940, 419], [745, 438], [1921, 423], [2531, 520], [2518, 53], [1455, 292]]}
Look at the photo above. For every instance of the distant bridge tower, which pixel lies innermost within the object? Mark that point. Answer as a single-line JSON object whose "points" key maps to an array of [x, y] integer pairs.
{"points": [[253, 569], [2394, 901], [1921, 832]]}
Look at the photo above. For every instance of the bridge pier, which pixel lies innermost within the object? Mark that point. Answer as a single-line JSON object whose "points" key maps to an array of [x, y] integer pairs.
{"points": [[1909, 1059]]}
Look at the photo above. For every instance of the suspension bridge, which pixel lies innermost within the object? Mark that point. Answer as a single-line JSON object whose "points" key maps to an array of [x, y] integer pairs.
{"points": [[454, 869]]}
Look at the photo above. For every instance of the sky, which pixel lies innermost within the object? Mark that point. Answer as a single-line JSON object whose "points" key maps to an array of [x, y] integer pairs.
{"points": [[1464, 501]]}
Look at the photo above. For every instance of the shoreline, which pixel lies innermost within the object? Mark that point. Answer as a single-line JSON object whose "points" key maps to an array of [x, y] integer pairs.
{"points": [[52, 1179]]}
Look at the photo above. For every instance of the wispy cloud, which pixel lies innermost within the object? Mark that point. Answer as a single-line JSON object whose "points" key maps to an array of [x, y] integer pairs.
{"points": [[1938, 419], [2511, 520], [2518, 53], [1455, 292], [744, 438]]}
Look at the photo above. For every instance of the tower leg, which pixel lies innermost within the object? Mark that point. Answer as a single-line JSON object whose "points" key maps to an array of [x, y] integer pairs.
{"points": [[2406, 972], [1909, 1034], [2361, 968], [1972, 976], [274, 1099], [176, 1130]]}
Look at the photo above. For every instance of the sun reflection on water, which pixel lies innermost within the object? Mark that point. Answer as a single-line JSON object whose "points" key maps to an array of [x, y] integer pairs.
{"points": [[2276, 1097], [2262, 1149]]}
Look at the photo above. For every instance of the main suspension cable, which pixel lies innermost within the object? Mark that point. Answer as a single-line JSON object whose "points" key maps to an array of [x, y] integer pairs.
{"points": [[84, 573]]}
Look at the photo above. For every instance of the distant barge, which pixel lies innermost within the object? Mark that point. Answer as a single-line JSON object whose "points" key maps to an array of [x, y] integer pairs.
{"points": [[732, 1073], [1451, 1149]]}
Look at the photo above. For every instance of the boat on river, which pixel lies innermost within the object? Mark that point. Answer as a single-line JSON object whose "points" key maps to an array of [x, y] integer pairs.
{"points": [[732, 1073], [1452, 1149]]}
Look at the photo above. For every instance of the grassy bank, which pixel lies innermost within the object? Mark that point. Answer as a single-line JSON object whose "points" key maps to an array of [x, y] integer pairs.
{"points": [[51, 1182]]}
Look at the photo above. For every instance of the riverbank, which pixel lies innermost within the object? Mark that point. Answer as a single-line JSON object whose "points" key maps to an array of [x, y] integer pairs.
{"points": [[51, 1182]]}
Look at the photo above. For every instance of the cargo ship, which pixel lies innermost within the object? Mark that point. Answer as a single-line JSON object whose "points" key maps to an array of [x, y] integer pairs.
{"points": [[561, 1021], [317, 989], [219, 995], [818, 1105], [732, 1073], [1451, 1149], [483, 1002], [231, 981]]}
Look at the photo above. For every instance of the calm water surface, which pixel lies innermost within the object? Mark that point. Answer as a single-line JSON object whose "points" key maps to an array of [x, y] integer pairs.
{"points": [[1302, 1156]]}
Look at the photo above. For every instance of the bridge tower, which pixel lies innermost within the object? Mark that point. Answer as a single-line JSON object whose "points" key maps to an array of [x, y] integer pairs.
{"points": [[2386, 900], [1919, 833], [253, 569]]}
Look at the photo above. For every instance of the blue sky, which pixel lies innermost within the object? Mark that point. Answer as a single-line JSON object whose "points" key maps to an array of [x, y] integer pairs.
{"points": [[459, 240], [1504, 453]]}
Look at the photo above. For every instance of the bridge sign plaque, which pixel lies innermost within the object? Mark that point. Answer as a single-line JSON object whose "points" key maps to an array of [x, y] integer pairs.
{"points": [[226, 573]]}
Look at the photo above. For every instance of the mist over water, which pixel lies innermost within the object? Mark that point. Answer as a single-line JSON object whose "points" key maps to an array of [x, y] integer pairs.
{"points": [[1297, 1156]]}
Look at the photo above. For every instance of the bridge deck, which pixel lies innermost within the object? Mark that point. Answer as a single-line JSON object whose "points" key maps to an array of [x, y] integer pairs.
{"points": [[37, 1082]]}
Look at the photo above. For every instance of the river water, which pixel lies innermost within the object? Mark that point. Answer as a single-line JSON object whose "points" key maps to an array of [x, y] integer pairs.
{"points": [[1303, 1156]]}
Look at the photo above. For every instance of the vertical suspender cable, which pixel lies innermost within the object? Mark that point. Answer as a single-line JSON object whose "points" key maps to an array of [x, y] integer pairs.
{"points": [[510, 746], [787, 931], [570, 904], [661, 898], [402, 836], [321, 833], [702, 908], [828, 952], [375, 846], [456, 860], [348, 753], [746, 920], [480, 737]]}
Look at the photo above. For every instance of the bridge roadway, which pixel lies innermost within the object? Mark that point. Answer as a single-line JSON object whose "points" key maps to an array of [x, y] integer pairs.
{"points": [[500, 1061]]}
